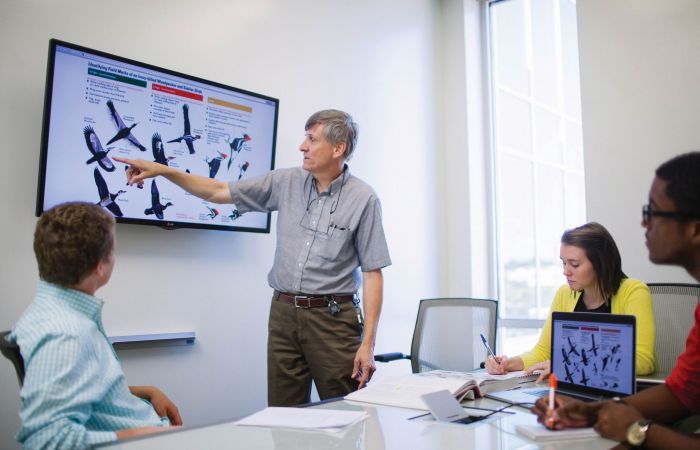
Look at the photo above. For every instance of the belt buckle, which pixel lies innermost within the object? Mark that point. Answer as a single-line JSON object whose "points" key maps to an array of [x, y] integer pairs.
{"points": [[302, 297]]}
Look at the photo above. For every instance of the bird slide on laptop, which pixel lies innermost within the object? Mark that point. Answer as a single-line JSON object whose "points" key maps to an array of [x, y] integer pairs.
{"points": [[593, 357]]}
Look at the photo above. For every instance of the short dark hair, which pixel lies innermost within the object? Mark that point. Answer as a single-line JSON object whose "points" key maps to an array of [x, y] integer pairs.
{"points": [[602, 251], [70, 239], [682, 174], [338, 127]]}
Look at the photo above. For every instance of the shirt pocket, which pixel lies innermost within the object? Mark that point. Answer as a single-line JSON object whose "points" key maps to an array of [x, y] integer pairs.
{"points": [[334, 244]]}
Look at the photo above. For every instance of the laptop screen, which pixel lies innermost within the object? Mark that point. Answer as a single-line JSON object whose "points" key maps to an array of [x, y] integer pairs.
{"points": [[594, 353]]}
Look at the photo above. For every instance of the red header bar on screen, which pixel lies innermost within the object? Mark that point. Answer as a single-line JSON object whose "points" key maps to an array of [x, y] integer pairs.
{"points": [[180, 92]]}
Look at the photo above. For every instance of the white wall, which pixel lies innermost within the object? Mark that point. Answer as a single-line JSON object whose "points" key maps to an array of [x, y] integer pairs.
{"points": [[375, 59], [640, 66], [389, 63]]}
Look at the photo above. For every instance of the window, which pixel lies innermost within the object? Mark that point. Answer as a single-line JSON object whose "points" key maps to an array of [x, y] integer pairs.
{"points": [[537, 154]]}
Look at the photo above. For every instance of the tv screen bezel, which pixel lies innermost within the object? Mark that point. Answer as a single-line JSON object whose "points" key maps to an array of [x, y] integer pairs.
{"points": [[46, 125]]}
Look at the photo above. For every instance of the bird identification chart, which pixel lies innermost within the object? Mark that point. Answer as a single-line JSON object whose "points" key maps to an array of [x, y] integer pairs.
{"points": [[103, 107], [593, 355]]}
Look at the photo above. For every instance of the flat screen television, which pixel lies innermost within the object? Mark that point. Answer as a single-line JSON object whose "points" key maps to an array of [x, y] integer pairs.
{"points": [[99, 105]]}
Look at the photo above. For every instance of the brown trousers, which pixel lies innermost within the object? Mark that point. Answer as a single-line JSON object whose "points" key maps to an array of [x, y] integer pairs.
{"points": [[306, 344]]}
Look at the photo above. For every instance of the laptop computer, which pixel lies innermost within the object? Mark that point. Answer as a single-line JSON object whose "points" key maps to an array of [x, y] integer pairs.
{"points": [[593, 357]]}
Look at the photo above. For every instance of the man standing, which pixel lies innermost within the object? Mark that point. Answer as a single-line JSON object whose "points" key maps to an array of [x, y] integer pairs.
{"points": [[329, 227], [672, 222]]}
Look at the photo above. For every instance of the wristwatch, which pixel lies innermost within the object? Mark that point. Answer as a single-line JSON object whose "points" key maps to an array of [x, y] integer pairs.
{"points": [[637, 432]]}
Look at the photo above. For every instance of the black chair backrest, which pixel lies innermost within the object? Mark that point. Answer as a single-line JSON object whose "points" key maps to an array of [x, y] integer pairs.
{"points": [[10, 351]]}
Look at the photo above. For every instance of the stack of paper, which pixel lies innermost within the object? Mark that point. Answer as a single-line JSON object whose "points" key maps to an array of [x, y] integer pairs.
{"points": [[331, 420], [540, 433]]}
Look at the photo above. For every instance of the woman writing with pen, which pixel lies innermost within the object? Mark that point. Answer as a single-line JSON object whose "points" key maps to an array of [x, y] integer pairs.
{"points": [[595, 283]]}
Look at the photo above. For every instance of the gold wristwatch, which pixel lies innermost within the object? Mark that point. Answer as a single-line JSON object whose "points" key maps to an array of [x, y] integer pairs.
{"points": [[637, 432]]}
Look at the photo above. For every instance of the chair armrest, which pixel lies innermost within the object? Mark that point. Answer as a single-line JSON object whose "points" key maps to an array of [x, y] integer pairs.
{"points": [[388, 357]]}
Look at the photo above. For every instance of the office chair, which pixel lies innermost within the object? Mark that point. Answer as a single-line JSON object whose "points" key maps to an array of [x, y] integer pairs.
{"points": [[11, 351], [674, 316], [446, 335]]}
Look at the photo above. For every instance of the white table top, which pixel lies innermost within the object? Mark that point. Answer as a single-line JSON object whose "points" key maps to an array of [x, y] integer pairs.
{"points": [[386, 428]]}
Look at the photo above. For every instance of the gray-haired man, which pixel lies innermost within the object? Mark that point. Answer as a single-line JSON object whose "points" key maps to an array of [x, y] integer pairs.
{"points": [[329, 228]]}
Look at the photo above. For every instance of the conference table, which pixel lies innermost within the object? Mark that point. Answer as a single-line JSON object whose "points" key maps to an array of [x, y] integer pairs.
{"points": [[386, 427]]}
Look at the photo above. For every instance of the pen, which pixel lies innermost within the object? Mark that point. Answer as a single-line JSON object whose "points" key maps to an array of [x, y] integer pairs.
{"points": [[486, 344], [552, 389]]}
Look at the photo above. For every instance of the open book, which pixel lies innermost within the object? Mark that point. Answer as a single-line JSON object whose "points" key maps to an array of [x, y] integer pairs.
{"points": [[406, 390]]}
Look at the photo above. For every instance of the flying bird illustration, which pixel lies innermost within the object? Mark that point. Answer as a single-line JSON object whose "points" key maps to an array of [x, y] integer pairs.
{"points": [[572, 347], [156, 207], [569, 375], [234, 214], [594, 348], [215, 163], [236, 146], [107, 200], [584, 378], [242, 168], [566, 356], [187, 135], [124, 131], [584, 358], [99, 154], [159, 150], [212, 212]]}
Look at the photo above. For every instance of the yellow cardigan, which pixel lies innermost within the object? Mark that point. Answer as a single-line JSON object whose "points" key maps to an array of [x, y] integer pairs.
{"points": [[632, 298]]}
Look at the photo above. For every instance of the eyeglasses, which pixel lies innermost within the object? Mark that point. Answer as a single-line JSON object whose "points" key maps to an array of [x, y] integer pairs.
{"points": [[648, 213], [305, 221]]}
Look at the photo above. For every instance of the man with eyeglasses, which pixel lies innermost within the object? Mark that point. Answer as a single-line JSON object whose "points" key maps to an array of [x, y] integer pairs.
{"points": [[329, 227], [672, 222]]}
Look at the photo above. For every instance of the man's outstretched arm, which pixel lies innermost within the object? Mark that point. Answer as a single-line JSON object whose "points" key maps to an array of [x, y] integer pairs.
{"points": [[209, 189]]}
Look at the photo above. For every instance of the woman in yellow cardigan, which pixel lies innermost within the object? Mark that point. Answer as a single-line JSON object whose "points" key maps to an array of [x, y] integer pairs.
{"points": [[595, 283]]}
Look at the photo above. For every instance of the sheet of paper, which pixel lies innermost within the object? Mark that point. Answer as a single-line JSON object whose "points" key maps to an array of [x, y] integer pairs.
{"points": [[540, 433], [332, 420]]}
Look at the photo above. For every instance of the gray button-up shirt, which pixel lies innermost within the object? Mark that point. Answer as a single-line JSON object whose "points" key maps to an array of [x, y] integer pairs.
{"points": [[323, 239]]}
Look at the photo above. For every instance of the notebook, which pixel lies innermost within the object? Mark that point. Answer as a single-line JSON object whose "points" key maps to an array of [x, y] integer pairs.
{"points": [[593, 357], [540, 433]]}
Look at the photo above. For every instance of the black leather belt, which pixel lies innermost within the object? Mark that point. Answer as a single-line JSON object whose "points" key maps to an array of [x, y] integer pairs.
{"points": [[311, 301]]}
